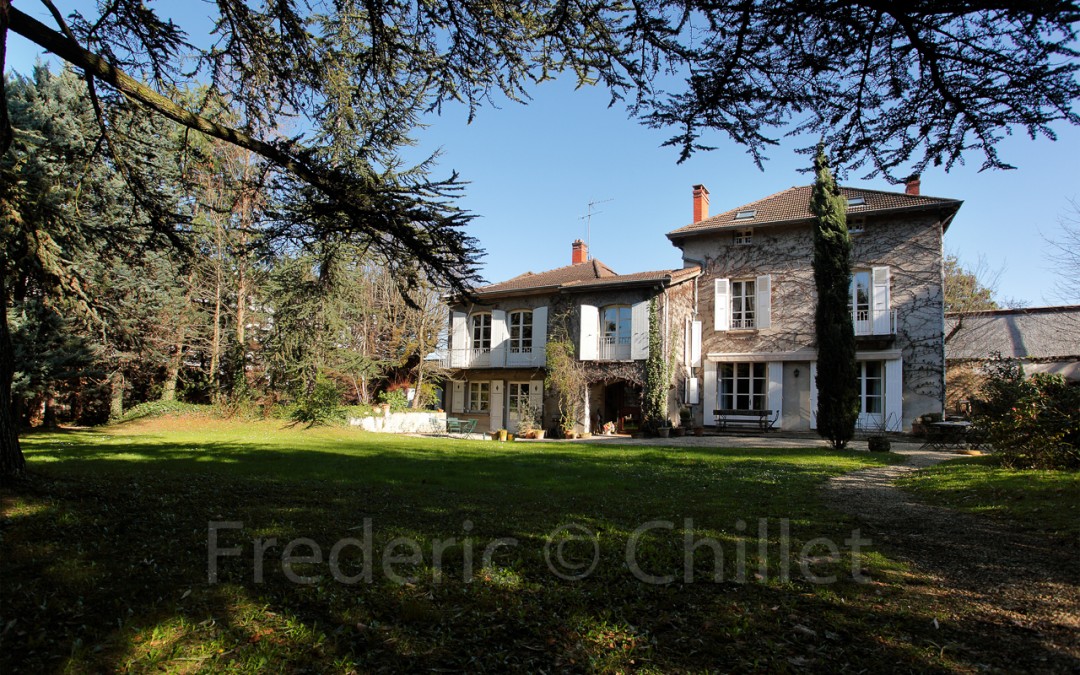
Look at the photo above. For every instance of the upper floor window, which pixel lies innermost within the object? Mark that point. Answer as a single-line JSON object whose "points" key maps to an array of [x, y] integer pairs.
{"points": [[859, 301], [480, 328], [521, 332], [744, 237], [742, 304], [616, 327]]}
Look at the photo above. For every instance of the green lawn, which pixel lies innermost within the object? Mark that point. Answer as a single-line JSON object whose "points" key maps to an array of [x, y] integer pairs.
{"points": [[1046, 502], [105, 557]]}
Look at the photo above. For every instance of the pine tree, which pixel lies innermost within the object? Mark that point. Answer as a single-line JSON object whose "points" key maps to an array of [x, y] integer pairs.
{"points": [[837, 379]]}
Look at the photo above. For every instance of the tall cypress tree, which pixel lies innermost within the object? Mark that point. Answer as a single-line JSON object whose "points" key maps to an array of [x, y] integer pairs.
{"points": [[837, 378]]}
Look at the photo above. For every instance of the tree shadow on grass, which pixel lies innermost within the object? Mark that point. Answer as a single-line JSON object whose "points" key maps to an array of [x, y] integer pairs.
{"points": [[105, 563]]}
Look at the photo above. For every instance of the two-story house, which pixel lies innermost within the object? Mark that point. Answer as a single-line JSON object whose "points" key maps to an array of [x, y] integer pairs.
{"points": [[756, 301], [497, 342]]}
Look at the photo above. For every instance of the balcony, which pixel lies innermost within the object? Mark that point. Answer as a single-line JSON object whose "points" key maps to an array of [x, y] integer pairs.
{"points": [[516, 357], [866, 326], [612, 348]]}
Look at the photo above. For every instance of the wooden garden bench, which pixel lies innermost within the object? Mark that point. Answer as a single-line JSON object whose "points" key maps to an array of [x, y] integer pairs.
{"points": [[763, 420]]}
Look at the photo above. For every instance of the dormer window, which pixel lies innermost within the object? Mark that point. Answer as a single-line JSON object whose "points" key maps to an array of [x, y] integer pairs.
{"points": [[745, 215], [744, 237]]}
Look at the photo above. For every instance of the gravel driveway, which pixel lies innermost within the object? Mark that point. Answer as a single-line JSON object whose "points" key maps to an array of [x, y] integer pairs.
{"points": [[1020, 591]]}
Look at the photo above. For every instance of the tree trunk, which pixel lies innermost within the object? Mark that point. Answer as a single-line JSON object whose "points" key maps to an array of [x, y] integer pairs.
{"points": [[48, 417], [12, 462], [172, 370], [116, 400]]}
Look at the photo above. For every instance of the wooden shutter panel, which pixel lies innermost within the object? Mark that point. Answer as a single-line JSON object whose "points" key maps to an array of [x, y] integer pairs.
{"points": [[775, 392], [880, 301], [813, 394], [588, 342], [894, 394], [709, 394], [763, 291], [459, 340], [539, 344], [457, 397], [496, 401], [639, 331], [500, 338], [695, 343], [722, 306]]}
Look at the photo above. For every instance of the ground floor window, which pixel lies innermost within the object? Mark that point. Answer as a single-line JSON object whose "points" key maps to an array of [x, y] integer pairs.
{"points": [[871, 387], [479, 396], [741, 386], [519, 396]]}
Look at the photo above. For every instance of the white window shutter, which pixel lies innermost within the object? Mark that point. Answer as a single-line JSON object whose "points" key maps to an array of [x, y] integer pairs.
{"points": [[539, 335], [695, 343], [459, 340], [709, 394], [500, 337], [496, 400], [457, 397], [687, 346], [722, 306], [894, 394], [775, 394], [813, 394], [536, 399], [693, 395], [639, 331], [880, 301], [588, 342], [763, 290]]}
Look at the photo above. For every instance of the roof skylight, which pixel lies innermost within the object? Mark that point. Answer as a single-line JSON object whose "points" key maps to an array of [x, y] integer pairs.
{"points": [[745, 215], [856, 201]]}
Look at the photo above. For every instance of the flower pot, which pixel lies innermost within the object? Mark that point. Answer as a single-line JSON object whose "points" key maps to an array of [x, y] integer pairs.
{"points": [[663, 432], [538, 434], [503, 434], [699, 431], [678, 432], [878, 444]]}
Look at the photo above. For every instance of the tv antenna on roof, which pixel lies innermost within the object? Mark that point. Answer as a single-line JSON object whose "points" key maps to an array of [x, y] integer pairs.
{"points": [[588, 220]]}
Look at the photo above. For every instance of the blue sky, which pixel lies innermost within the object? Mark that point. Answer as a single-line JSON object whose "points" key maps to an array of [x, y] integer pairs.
{"points": [[533, 170]]}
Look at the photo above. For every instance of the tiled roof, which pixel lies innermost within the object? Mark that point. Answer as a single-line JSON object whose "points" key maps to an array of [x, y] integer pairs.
{"points": [[583, 275], [793, 205], [1033, 333], [586, 271]]}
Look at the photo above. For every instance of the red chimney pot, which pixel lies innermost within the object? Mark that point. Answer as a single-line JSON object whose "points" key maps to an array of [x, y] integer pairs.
{"points": [[580, 252], [701, 203], [913, 184]]}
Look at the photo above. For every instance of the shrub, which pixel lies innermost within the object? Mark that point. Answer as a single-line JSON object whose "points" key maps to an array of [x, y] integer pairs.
{"points": [[1031, 422], [397, 398], [322, 405], [152, 409]]}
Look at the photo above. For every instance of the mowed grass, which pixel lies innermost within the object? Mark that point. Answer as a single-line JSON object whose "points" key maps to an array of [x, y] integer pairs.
{"points": [[106, 557], [1046, 502]]}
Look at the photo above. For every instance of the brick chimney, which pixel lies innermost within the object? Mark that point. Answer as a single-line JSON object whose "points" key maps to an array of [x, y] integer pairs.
{"points": [[913, 185], [701, 203], [580, 252]]}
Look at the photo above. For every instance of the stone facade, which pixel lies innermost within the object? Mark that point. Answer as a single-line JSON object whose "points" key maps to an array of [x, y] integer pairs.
{"points": [[907, 248], [563, 315]]}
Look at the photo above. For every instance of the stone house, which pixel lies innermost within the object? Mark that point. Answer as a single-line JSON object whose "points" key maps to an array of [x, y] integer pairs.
{"points": [[498, 341], [756, 300], [737, 320]]}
